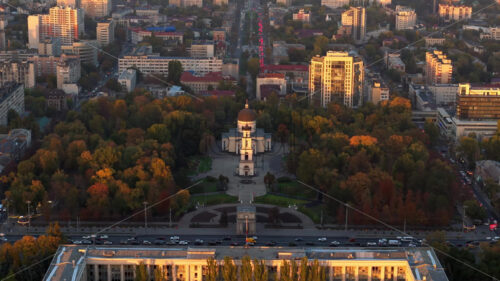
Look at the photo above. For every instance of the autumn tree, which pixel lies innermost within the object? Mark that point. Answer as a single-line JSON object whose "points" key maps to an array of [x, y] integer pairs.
{"points": [[212, 270], [229, 270], [141, 272], [246, 269]]}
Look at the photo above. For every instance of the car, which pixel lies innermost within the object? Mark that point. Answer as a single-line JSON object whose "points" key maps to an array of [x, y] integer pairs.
{"points": [[77, 242], [322, 239], [170, 243], [218, 242], [86, 237], [407, 239], [123, 242], [310, 243], [227, 238], [146, 242], [292, 244], [134, 242], [251, 244], [371, 244], [104, 236], [299, 239], [86, 242], [212, 243], [198, 242], [107, 242], [159, 242], [412, 245], [352, 240], [183, 242], [174, 238], [488, 238], [235, 244], [271, 243], [132, 238], [334, 244]]}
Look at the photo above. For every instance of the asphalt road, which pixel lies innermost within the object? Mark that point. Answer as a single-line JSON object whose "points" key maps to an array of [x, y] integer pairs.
{"points": [[213, 240]]}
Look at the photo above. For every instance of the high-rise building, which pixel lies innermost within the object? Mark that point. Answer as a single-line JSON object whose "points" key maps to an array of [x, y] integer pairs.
{"points": [[355, 19], [14, 71], [336, 77], [333, 4], [202, 50], [150, 64], [406, 18], [128, 79], [438, 69], [11, 98], [454, 13], [478, 102], [97, 8], [69, 3], [105, 32], [377, 91], [64, 23], [68, 72]]}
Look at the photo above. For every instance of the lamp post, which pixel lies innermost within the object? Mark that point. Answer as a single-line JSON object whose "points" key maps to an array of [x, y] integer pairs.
{"points": [[28, 202], [346, 215], [145, 214]]}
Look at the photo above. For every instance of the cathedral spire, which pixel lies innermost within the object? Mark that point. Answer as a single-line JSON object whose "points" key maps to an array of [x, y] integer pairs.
{"points": [[246, 104]]}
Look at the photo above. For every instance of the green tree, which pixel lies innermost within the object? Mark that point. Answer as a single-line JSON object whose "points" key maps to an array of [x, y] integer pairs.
{"points": [[114, 85], [141, 273], [474, 211], [212, 272], [468, 148], [269, 180], [160, 274], [253, 67], [320, 45], [229, 270], [432, 130], [174, 72]]}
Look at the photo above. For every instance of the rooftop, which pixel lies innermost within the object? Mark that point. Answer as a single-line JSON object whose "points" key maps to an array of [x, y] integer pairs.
{"points": [[127, 74], [209, 77], [272, 75], [284, 67], [70, 260]]}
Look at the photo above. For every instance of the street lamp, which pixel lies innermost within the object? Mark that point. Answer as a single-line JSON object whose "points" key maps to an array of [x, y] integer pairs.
{"points": [[145, 214], [28, 202]]}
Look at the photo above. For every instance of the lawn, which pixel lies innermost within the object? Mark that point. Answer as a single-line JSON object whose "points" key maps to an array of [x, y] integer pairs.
{"points": [[199, 164], [294, 188], [204, 187], [213, 199], [278, 200]]}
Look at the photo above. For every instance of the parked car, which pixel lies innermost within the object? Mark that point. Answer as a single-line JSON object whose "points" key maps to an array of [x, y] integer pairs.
{"points": [[322, 239]]}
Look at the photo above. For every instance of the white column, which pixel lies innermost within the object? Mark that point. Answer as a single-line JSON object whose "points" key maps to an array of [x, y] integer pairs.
{"points": [[369, 273], [174, 272], [356, 273], [382, 273], [122, 272], [395, 275], [109, 272], [96, 272], [330, 272], [343, 273]]}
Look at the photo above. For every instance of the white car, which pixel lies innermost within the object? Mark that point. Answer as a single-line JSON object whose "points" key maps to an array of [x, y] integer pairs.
{"points": [[322, 239], [335, 243], [77, 242], [86, 237], [255, 238], [412, 245], [146, 242], [174, 238], [371, 244], [107, 242], [183, 242], [104, 236]]}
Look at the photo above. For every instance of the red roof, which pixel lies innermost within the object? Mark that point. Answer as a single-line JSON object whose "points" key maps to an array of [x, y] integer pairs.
{"points": [[219, 93], [272, 75], [267, 89], [209, 77], [284, 67]]}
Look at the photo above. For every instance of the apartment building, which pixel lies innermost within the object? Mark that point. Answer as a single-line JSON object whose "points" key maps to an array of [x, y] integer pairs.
{"points": [[11, 98], [64, 23], [202, 83], [406, 18], [333, 4], [16, 71], [454, 13], [302, 16], [438, 68], [105, 32], [97, 8], [50, 47], [202, 50], [128, 79], [264, 80], [354, 19], [149, 64], [336, 77], [68, 72]]}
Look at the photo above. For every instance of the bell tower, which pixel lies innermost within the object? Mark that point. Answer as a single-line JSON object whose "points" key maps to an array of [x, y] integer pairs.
{"points": [[246, 166]]}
